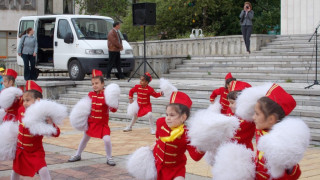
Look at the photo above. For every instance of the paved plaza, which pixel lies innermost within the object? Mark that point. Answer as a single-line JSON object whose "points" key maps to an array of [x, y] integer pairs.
{"points": [[93, 166]]}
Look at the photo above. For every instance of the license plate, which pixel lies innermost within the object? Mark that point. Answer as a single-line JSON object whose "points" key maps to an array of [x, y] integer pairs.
{"points": [[114, 70]]}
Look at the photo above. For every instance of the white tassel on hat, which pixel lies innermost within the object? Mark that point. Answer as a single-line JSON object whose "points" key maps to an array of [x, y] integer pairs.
{"points": [[80, 113], [247, 100], [8, 140], [233, 162], [133, 109], [112, 95], [285, 145], [207, 129], [36, 115], [8, 96], [141, 164], [166, 87]]}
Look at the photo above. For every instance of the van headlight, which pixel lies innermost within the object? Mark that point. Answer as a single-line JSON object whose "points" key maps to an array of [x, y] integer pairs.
{"points": [[129, 51], [94, 51]]}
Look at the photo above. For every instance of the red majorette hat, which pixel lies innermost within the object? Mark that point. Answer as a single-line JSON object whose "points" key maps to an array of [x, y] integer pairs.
{"points": [[96, 73], [179, 97], [228, 76], [238, 86], [149, 75], [10, 72], [281, 97], [31, 85]]}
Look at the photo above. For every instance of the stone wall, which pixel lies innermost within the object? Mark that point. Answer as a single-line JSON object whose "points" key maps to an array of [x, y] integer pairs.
{"points": [[220, 45], [160, 64], [299, 16]]}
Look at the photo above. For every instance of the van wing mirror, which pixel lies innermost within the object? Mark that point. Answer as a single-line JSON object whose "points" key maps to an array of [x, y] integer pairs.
{"points": [[125, 36], [69, 38]]}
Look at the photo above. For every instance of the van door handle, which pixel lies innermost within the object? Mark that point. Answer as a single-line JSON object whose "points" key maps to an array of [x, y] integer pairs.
{"points": [[55, 43]]}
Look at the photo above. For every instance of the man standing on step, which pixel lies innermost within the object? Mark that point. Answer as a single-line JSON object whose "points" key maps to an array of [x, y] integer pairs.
{"points": [[246, 17], [114, 47]]}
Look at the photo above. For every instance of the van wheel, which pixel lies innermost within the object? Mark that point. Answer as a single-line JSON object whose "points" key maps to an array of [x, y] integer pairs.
{"points": [[75, 70]]}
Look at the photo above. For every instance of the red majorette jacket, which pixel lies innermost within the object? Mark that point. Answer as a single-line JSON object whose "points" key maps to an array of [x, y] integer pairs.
{"points": [[262, 171], [144, 98], [30, 155], [223, 92], [99, 117], [170, 157]]}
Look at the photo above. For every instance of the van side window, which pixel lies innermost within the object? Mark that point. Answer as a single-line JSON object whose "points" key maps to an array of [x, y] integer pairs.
{"points": [[63, 28], [25, 24]]}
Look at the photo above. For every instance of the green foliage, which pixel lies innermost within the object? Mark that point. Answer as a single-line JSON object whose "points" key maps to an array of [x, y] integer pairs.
{"points": [[176, 18], [112, 8]]}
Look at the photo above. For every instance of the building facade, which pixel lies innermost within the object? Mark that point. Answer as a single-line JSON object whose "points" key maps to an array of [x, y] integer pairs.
{"points": [[299, 16], [12, 10]]}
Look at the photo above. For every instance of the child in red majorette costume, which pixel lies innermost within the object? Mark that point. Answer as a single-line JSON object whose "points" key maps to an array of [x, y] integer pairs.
{"points": [[91, 115], [247, 128], [168, 160], [10, 97], [24, 138], [142, 104], [281, 139], [223, 92]]}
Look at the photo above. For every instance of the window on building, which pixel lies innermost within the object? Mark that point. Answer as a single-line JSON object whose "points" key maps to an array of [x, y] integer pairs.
{"points": [[68, 6], [48, 7], [63, 28]]}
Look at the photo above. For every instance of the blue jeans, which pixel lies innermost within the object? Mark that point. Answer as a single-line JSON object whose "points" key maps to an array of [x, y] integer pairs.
{"points": [[29, 67]]}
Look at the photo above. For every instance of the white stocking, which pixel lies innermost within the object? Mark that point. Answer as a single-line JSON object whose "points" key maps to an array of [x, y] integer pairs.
{"points": [[149, 115], [83, 143], [108, 146], [14, 176], [44, 174], [133, 120]]}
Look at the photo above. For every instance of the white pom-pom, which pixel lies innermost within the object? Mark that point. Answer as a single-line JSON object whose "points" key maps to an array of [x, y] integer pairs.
{"points": [[207, 130], [141, 164], [8, 96], [132, 109], [233, 162], [210, 157], [216, 106], [8, 140], [285, 145], [247, 100], [80, 113], [36, 115], [2, 115], [166, 87], [112, 95]]}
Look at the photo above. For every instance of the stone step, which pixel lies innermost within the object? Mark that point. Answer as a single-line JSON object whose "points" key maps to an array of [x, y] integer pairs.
{"points": [[261, 78], [261, 53], [252, 59], [295, 49], [219, 70], [287, 46], [244, 65]]}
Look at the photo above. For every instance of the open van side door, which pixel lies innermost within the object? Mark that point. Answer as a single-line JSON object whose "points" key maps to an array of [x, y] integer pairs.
{"points": [[24, 25], [64, 43]]}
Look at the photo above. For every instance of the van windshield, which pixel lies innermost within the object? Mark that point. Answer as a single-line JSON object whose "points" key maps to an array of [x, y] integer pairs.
{"points": [[89, 28]]}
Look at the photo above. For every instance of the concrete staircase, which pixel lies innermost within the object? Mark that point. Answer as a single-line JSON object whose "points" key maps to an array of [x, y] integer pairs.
{"points": [[285, 59]]}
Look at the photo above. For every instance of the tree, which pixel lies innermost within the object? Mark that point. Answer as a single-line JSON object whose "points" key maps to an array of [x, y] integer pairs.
{"points": [[117, 9]]}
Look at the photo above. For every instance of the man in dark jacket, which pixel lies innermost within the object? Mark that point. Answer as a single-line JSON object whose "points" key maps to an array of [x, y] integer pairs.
{"points": [[114, 47]]}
